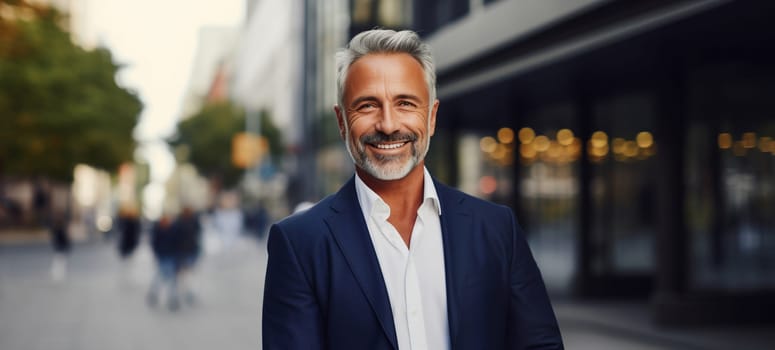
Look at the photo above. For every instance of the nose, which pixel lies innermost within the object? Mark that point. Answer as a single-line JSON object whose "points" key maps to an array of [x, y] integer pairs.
{"points": [[388, 123]]}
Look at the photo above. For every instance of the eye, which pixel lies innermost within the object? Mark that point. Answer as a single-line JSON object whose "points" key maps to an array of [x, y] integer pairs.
{"points": [[405, 103], [366, 107]]}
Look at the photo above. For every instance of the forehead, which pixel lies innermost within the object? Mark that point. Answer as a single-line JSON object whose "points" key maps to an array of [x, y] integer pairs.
{"points": [[399, 70]]}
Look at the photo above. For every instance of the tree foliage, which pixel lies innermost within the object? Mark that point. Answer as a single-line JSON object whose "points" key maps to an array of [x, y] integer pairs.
{"points": [[60, 104], [208, 135]]}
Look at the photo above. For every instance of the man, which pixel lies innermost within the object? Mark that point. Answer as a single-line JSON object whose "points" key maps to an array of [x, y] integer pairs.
{"points": [[396, 260]]}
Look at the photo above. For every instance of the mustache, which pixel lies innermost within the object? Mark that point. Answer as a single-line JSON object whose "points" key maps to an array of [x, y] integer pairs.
{"points": [[379, 137]]}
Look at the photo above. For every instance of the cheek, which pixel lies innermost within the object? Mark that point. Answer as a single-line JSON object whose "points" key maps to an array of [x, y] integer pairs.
{"points": [[359, 127], [420, 124]]}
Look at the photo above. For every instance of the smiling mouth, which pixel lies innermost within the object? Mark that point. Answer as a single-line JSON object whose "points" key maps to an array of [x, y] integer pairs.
{"points": [[389, 146]]}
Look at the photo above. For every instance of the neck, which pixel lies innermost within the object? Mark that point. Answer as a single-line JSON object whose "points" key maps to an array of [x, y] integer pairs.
{"points": [[403, 196], [400, 194]]}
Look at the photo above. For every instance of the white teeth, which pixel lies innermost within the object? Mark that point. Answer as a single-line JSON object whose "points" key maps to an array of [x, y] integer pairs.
{"points": [[390, 146]]}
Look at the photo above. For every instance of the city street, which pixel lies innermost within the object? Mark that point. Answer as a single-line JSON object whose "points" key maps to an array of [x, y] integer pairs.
{"points": [[101, 305]]}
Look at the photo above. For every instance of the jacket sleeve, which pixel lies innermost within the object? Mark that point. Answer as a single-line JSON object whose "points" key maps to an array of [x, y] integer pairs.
{"points": [[291, 315], [532, 324]]}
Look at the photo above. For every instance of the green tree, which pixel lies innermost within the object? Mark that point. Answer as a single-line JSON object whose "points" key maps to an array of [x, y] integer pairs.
{"points": [[208, 136], [60, 104]]}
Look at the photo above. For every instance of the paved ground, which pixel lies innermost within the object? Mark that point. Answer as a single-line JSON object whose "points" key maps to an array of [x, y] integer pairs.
{"points": [[101, 305], [627, 325]]}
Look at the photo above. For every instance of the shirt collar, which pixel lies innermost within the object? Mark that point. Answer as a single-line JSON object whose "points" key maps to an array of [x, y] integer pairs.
{"points": [[368, 199]]}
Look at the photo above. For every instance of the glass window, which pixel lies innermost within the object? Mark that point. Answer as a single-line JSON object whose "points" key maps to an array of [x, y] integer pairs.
{"points": [[548, 152], [392, 13], [623, 184], [361, 11], [432, 15], [731, 178]]}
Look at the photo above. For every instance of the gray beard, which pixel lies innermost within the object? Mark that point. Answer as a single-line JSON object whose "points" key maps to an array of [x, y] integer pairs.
{"points": [[386, 167]]}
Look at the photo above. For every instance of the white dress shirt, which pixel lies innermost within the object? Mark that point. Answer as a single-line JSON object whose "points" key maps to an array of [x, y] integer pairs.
{"points": [[414, 275]]}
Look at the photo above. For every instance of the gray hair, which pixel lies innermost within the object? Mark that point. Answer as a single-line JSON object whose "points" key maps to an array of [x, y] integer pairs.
{"points": [[385, 41]]}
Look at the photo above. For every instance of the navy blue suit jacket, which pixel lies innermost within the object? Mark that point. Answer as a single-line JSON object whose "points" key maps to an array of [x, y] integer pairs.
{"points": [[324, 288]]}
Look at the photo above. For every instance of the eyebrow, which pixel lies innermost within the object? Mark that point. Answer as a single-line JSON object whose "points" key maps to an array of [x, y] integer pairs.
{"points": [[358, 100], [409, 97]]}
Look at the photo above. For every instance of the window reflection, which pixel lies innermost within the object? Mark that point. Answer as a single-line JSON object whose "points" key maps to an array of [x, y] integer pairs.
{"points": [[361, 11], [623, 184], [731, 178], [392, 13]]}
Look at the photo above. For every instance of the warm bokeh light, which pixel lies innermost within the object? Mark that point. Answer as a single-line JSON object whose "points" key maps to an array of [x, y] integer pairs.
{"points": [[630, 149], [488, 144], [599, 139], [598, 151], [725, 140], [555, 150], [764, 144], [574, 149], [739, 149], [644, 139], [565, 137], [749, 140], [541, 143], [488, 184], [526, 135], [527, 150], [500, 152], [618, 144], [506, 135]]}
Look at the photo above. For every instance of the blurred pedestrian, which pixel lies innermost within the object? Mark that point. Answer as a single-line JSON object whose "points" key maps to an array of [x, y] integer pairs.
{"points": [[60, 241], [41, 202], [227, 219], [257, 220], [188, 237], [129, 230], [163, 244], [395, 259]]}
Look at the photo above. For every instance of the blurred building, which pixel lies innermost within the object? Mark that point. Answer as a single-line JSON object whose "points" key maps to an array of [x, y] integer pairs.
{"points": [[633, 138], [284, 66], [207, 83], [211, 65]]}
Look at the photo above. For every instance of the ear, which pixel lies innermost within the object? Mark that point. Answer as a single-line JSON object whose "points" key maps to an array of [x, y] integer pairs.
{"points": [[434, 109], [340, 120]]}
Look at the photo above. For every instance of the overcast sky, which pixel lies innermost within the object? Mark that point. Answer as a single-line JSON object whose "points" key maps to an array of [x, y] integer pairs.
{"points": [[157, 40]]}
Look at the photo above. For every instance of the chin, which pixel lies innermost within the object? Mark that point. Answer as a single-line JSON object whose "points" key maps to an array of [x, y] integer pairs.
{"points": [[389, 172]]}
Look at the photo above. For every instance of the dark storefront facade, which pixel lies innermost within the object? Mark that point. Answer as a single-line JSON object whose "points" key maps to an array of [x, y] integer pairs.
{"points": [[641, 164], [634, 139]]}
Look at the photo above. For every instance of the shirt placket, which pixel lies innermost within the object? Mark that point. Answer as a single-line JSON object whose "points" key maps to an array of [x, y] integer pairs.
{"points": [[414, 312]]}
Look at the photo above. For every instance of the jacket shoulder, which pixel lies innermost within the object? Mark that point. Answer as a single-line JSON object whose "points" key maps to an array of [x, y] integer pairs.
{"points": [[454, 197], [308, 221]]}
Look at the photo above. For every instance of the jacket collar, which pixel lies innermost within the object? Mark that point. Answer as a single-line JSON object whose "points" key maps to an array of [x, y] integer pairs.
{"points": [[351, 235]]}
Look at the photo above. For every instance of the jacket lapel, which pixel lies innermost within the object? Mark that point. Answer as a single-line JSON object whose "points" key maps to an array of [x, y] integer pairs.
{"points": [[351, 234], [457, 235]]}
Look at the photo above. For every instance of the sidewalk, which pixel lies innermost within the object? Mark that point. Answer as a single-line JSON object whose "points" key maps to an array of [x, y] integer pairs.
{"points": [[601, 325], [102, 306]]}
